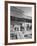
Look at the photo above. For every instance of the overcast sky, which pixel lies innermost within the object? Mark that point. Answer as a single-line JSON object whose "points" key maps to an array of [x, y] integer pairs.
{"points": [[27, 10], [21, 11]]}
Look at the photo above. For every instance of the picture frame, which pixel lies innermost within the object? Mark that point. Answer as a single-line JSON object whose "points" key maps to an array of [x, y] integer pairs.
{"points": [[20, 22]]}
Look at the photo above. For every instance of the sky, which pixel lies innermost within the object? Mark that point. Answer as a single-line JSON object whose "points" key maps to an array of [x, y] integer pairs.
{"points": [[21, 11]]}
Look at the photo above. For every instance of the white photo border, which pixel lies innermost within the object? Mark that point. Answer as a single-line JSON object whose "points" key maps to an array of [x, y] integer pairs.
{"points": [[23, 40]]}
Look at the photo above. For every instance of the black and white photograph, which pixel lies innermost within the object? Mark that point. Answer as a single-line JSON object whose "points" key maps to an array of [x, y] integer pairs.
{"points": [[20, 22]]}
